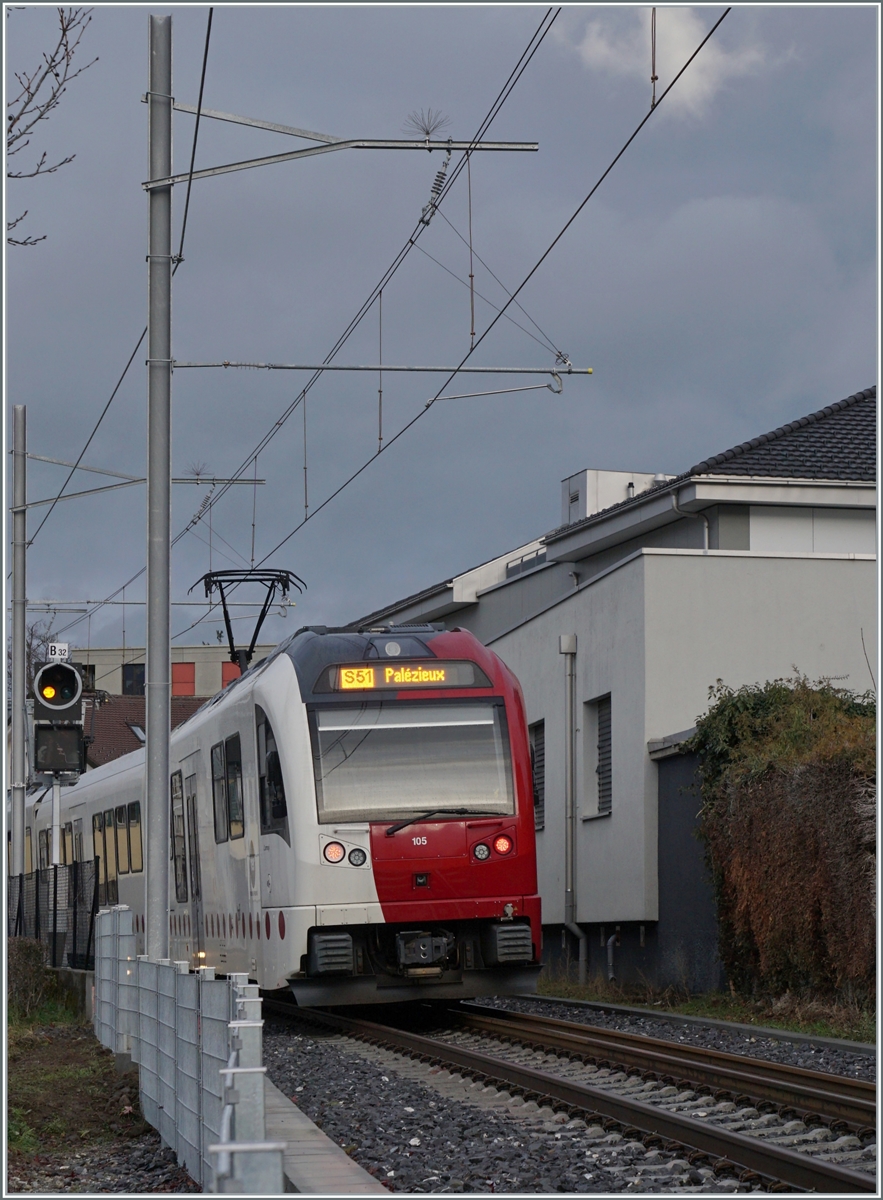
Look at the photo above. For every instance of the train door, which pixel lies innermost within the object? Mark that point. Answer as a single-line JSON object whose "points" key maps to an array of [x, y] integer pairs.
{"points": [[192, 812]]}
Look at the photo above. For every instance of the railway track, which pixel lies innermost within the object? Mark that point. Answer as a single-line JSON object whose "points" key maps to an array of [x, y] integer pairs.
{"points": [[819, 1098], [653, 1120]]}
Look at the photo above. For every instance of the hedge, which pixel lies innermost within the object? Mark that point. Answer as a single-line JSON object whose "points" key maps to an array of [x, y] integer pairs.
{"points": [[788, 774]]}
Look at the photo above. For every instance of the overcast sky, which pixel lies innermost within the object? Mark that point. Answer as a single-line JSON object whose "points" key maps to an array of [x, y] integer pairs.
{"points": [[722, 280]]}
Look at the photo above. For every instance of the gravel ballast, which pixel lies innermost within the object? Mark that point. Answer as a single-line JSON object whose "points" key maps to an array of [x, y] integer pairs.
{"points": [[418, 1128], [810, 1056], [135, 1167]]}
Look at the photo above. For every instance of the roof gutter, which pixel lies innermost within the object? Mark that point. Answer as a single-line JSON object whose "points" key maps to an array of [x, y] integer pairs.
{"points": [[683, 513]]}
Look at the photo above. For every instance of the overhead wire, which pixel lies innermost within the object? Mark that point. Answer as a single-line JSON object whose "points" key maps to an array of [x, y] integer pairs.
{"points": [[536, 40], [502, 96], [179, 260], [514, 76], [512, 298], [549, 342], [546, 345]]}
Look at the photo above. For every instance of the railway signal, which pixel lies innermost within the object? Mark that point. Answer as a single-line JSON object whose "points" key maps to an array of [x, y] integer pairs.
{"points": [[59, 744], [58, 693], [58, 720]]}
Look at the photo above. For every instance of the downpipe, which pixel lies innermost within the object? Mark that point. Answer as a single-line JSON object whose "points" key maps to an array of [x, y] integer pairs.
{"points": [[611, 942], [567, 647], [695, 515]]}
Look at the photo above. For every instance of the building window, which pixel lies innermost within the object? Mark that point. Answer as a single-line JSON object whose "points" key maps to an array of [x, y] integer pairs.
{"points": [[87, 671], [133, 679], [537, 736], [597, 757], [184, 679], [229, 672]]}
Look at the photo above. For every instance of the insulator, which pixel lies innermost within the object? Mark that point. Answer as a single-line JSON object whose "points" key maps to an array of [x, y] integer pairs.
{"points": [[438, 183]]}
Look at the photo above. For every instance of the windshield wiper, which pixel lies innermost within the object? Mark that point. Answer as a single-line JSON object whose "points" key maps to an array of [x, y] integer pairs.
{"points": [[453, 812]]}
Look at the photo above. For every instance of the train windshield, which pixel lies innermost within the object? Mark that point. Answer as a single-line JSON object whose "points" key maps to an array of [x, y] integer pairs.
{"points": [[387, 760]]}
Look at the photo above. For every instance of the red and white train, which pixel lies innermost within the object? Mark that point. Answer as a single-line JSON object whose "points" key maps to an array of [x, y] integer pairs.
{"points": [[352, 819]]}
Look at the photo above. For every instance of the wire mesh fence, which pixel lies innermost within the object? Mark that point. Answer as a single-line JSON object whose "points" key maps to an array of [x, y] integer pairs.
{"points": [[57, 906], [197, 1042]]}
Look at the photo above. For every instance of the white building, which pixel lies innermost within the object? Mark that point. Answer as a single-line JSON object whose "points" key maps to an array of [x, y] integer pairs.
{"points": [[751, 565]]}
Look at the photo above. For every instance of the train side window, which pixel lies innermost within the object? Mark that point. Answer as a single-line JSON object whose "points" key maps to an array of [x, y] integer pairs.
{"points": [[192, 833], [122, 839], [233, 755], [68, 843], [135, 851], [110, 848], [177, 825], [219, 792], [98, 844], [43, 848], [29, 852], [78, 841], [271, 788]]}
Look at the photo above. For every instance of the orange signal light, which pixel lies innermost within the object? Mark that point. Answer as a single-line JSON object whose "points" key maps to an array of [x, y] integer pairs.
{"points": [[48, 692]]}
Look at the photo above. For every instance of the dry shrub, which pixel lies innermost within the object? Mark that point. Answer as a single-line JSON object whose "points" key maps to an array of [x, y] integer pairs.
{"points": [[789, 826], [28, 980]]}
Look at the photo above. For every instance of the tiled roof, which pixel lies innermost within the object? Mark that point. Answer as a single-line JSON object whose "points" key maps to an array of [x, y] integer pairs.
{"points": [[837, 442], [114, 719]]}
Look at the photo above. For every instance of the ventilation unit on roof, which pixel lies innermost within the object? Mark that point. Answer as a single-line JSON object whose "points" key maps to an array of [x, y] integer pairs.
{"points": [[592, 491]]}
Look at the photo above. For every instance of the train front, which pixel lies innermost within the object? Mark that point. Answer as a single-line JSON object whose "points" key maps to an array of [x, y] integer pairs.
{"points": [[424, 800]]}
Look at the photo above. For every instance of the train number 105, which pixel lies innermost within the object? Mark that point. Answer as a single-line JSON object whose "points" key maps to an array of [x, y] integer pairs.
{"points": [[419, 841]]}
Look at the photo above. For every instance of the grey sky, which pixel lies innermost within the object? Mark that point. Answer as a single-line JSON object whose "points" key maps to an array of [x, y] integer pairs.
{"points": [[723, 279]]}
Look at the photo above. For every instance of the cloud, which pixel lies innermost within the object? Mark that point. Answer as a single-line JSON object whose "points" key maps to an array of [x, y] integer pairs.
{"points": [[620, 45]]}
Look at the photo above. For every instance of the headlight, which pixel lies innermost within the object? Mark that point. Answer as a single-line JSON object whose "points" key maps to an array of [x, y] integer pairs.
{"points": [[334, 852], [358, 857], [482, 852], [503, 844]]}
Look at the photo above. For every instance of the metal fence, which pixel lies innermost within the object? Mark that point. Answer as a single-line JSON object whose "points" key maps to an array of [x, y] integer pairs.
{"points": [[57, 906], [197, 1041]]}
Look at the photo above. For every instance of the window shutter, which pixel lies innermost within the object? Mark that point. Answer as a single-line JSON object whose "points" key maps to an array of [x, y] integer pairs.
{"points": [[537, 734], [604, 768]]}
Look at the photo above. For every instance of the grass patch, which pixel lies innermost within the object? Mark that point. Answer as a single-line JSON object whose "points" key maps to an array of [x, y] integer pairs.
{"points": [[812, 1015], [62, 1086], [20, 1135]]}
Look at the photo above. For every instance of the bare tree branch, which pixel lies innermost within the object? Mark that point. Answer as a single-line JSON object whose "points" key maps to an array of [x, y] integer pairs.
{"points": [[28, 241], [39, 95]]}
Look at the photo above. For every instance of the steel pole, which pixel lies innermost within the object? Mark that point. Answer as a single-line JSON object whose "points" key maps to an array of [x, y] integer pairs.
{"points": [[159, 394], [56, 822], [19, 652]]}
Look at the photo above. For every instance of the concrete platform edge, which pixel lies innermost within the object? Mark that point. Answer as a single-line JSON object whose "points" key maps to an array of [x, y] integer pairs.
{"points": [[313, 1163]]}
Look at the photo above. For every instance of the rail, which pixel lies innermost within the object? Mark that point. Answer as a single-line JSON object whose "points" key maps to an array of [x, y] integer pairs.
{"points": [[728, 1149], [806, 1093]]}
